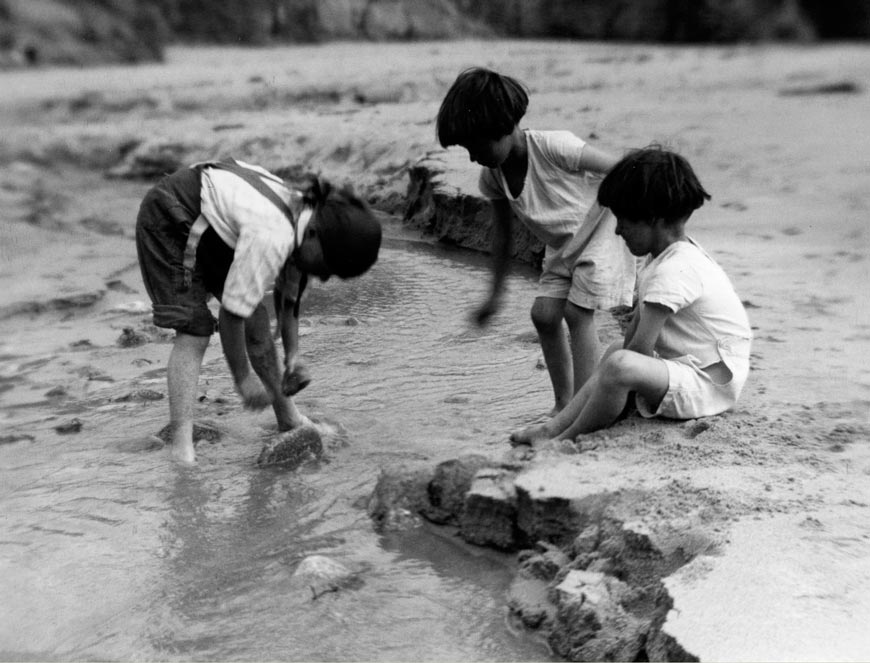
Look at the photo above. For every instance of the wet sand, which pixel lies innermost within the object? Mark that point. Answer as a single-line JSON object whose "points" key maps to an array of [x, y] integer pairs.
{"points": [[780, 483]]}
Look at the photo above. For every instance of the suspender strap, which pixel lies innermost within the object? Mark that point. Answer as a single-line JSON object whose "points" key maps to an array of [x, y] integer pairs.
{"points": [[196, 230], [256, 181]]}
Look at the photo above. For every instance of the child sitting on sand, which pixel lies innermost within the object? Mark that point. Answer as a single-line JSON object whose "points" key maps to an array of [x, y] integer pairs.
{"points": [[686, 350], [548, 179], [231, 229]]}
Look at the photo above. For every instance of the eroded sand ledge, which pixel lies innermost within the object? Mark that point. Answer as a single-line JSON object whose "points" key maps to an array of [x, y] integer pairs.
{"points": [[591, 561]]}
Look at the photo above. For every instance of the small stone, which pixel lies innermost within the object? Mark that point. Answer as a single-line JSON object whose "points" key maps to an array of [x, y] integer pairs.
{"points": [[130, 338], [321, 574], [292, 448], [73, 426], [200, 432], [16, 437], [140, 395], [399, 496]]}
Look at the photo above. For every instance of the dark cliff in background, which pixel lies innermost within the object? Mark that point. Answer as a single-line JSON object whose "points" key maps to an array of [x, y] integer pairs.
{"points": [[89, 31]]}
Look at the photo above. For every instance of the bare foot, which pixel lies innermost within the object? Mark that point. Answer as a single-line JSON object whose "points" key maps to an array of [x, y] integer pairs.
{"points": [[297, 421], [303, 421], [530, 434], [183, 452]]}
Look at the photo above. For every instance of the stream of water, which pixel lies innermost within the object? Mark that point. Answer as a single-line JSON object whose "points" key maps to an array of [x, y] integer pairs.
{"points": [[109, 551]]}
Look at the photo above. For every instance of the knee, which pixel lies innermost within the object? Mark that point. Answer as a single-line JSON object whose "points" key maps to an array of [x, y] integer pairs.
{"points": [[618, 369], [578, 317], [546, 317], [190, 344]]}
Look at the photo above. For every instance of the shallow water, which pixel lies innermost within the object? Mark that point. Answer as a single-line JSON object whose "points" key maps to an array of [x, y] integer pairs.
{"points": [[108, 551]]}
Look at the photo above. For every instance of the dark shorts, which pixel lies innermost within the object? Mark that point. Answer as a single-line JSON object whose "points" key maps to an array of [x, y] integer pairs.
{"points": [[162, 227]]}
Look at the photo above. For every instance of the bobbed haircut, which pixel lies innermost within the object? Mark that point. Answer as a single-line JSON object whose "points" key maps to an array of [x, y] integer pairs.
{"points": [[480, 105], [652, 183], [350, 235]]}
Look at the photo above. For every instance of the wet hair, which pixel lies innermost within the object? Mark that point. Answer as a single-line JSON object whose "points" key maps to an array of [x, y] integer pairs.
{"points": [[652, 183], [350, 235], [480, 105]]}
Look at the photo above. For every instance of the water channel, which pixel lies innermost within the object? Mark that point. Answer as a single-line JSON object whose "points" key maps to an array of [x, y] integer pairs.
{"points": [[108, 551]]}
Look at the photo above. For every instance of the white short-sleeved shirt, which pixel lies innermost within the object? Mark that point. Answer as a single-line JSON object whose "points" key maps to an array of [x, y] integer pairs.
{"points": [[708, 314], [261, 235], [557, 193], [584, 259]]}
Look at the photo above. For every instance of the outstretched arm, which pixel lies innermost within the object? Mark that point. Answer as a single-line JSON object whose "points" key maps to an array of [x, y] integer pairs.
{"points": [[288, 323], [296, 375], [502, 243], [597, 160]]}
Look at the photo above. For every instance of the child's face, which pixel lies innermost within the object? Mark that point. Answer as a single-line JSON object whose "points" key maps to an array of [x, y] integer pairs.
{"points": [[309, 256], [489, 153], [639, 236]]}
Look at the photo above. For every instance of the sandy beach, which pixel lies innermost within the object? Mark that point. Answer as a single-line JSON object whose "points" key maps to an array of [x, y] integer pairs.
{"points": [[779, 487]]}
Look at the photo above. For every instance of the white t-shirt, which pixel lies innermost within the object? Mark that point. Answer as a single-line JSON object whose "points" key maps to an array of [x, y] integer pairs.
{"points": [[558, 204], [707, 310], [557, 194], [260, 234]]}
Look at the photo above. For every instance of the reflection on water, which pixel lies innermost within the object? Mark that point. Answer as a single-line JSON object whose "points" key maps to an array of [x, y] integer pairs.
{"points": [[109, 551]]}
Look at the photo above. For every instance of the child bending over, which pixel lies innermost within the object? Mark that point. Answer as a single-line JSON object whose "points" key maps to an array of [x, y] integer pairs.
{"points": [[232, 230], [548, 180], [686, 351]]}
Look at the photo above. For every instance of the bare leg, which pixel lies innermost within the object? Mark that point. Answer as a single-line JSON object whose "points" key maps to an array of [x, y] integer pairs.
{"points": [[560, 422], [567, 424], [584, 342], [621, 373], [547, 314], [182, 374], [264, 360]]}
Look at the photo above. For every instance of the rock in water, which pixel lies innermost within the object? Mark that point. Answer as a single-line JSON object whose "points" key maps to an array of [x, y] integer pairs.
{"points": [[322, 574], [293, 447]]}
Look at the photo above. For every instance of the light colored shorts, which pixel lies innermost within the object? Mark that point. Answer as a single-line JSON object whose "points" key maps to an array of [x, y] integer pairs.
{"points": [[594, 269], [693, 393]]}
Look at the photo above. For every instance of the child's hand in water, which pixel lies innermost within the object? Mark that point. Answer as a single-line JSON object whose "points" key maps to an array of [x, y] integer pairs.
{"points": [[295, 379], [254, 395]]}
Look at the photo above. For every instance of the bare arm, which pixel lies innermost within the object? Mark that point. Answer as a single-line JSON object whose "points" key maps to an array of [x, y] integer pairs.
{"points": [[502, 243], [597, 160], [296, 375], [288, 325], [632, 326], [232, 332], [650, 318]]}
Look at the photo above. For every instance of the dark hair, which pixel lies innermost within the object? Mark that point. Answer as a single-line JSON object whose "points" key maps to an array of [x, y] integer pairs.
{"points": [[350, 235], [652, 183], [481, 104]]}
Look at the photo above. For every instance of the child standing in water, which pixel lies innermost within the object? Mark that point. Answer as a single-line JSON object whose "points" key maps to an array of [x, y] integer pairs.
{"points": [[231, 229], [548, 180], [686, 352]]}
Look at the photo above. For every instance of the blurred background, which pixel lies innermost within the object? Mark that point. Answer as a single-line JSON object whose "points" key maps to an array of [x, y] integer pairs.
{"points": [[85, 32]]}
